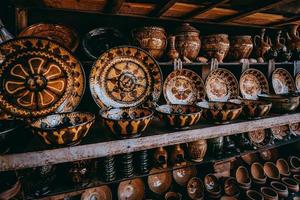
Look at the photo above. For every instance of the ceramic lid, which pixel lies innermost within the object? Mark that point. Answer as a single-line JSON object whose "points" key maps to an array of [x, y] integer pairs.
{"points": [[186, 27]]}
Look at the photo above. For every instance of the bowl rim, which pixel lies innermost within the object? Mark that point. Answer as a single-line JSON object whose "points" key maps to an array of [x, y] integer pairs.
{"points": [[179, 114], [138, 118], [239, 106]]}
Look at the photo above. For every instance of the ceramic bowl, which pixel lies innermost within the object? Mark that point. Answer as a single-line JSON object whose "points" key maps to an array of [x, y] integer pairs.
{"points": [[228, 198], [254, 195], [126, 122], [195, 188], [258, 174], [269, 154], [231, 187], [179, 116], [63, 128], [173, 196], [250, 158], [280, 188], [281, 103], [294, 163], [271, 171], [160, 180], [102, 192], [268, 193], [291, 184], [183, 175], [197, 150], [131, 189], [220, 112], [212, 186], [283, 167], [243, 178]]}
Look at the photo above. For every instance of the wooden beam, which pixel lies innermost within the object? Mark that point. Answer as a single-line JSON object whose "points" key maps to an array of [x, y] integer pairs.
{"points": [[285, 21], [162, 7], [201, 10], [255, 10], [113, 6]]}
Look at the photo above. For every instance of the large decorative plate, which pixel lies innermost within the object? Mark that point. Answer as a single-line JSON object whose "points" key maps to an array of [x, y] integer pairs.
{"points": [[221, 85], [282, 81], [125, 76], [252, 83], [260, 138], [297, 81], [183, 87], [39, 77], [59, 33]]}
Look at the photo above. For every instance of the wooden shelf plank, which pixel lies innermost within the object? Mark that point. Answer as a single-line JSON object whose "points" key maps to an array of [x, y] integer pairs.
{"points": [[113, 6], [161, 138], [162, 7]]}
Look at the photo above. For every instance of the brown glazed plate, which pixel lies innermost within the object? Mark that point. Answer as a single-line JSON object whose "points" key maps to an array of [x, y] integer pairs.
{"points": [[297, 81], [62, 34], [279, 132], [39, 77], [221, 85], [295, 128], [282, 81], [259, 138], [125, 76], [252, 83], [183, 87]]}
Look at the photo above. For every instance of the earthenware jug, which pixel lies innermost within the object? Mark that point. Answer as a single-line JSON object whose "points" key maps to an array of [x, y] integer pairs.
{"points": [[216, 46], [262, 44], [161, 157], [293, 38], [172, 52], [197, 150], [177, 154], [240, 47]]}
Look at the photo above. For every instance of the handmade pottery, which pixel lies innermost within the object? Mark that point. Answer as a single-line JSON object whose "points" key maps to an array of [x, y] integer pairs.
{"points": [[173, 196], [254, 195], [280, 188], [282, 81], [195, 189], [197, 150], [133, 189], [242, 142], [240, 47], [284, 54], [187, 41], [126, 163], [161, 157], [109, 169], [125, 77], [269, 154], [179, 116], [151, 38], [221, 85], [10, 185], [64, 128], [297, 81], [102, 192], [177, 154], [253, 109], [294, 163], [182, 174], [216, 46], [280, 132], [243, 178], [229, 145], [220, 112], [293, 38], [126, 122], [295, 128], [249, 158], [268, 193], [283, 167], [160, 181], [212, 186], [262, 44], [252, 83], [291, 184], [258, 174], [215, 146], [296, 177], [39, 77], [99, 40], [60, 33], [4, 34], [228, 198], [143, 161], [271, 171], [183, 87], [172, 52], [259, 138], [78, 171], [231, 187]]}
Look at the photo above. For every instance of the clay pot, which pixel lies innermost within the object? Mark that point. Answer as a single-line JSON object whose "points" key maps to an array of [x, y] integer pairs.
{"points": [[283, 167], [297, 178], [250, 158], [228, 198], [161, 157], [160, 181], [183, 175], [151, 38], [197, 150], [187, 41], [131, 190], [242, 177], [173, 196], [269, 193], [172, 52], [254, 195], [262, 44], [177, 155], [291, 184], [195, 189], [212, 186], [271, 171], [294, 163], [231, 187], [258, 174], [240, 47], [293, 39], [280, 188], [269, 154], [102, 192], [216, 46]]}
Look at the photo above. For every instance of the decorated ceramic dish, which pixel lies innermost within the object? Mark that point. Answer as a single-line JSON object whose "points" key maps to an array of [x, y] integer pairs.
{"points": [[279, 132], [125, 77], [282, 81], [259, 138], [183, 87], [252, 83], [297, 81], [102, 192], [39, 77], [295, 128], [221, 85], [62, 34], [283, 103]]}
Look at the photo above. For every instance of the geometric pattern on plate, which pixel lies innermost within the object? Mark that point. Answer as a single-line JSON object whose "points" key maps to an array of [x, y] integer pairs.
{"points": [[297, 81], [282, 81]]}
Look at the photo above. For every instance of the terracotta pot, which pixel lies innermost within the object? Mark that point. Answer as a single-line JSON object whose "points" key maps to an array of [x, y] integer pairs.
{"points": [[291, 184], [293, 39], [160, 181], [79, 170], [254, 195], [177, 155], [197, 150], [188, 41], [195, 189], [228, 198], [250, 158], [269, 193], [262, 44], [269, 154], [151, 38], [216, 46], [173, 196], [294, 163], [215, 146], [183, 175], [131, 190], [258, 174], [240, 47], [283, 167], [271, 171], [102, 192], [161, 157], [280, 188], [242, 177], [231, 187], [212, 186]]}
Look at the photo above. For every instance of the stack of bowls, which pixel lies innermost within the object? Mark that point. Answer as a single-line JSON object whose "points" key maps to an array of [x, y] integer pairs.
{"points": [[243, 178], [212, 186], [258, 174]]}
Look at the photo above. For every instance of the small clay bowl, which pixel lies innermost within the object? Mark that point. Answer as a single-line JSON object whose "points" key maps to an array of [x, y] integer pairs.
{"points": [[283, 167], [126, 122], [228, 198], [102, 192], [212, 185], [183, 175], [131, 189], [160, 180], [271, 171], [268, 193], [291, 184], [258, 175], [254, 195], [280, 188], [297, 178], [269, 154], [220, 112], [231, 187], [179, 116], [63, 128], [173, 196], [250, 158], [195, 188], [242, 177], [294, 163]]}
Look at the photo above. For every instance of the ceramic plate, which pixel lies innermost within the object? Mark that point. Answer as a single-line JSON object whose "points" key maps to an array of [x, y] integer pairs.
{"points": [[183, 87], [39, 77], [252, 83], [297, 81], [282, 81], [279, 132], [295, 128], [259, 138], [221, 85], [125, 77]]}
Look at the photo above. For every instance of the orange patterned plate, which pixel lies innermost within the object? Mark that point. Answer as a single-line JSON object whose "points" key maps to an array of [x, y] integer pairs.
{"points": [[297, 81], [252, 83], [221, 85], [59, 33], [282, 81], [183, 87], [39, 77], [125, 76]]}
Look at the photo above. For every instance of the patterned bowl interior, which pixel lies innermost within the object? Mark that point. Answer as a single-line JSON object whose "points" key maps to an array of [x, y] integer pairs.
{"points": [[125, 113], [220, 106], [178, 109]]}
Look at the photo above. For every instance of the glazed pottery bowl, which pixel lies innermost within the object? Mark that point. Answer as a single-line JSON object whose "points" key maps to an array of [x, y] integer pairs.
{"points": [[126, 122], [271, 171], [131, 189], [216, 46], [160, 180], [195, 188], [281, 103], [197, 150], [179, 116], [268, 193], [280, 188], [182, 175], [269, 154], [294, 163], [258, 174], [243, 178], [283, 167], [173, 196], [220, 112], [212, 185], [63, 128], [291, 184], [249, 158], [254, 195], [228, 198], [103, 192], [231, 187]]}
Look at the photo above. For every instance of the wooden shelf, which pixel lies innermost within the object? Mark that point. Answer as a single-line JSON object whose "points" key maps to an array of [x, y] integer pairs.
{"points": [[155, 136]]}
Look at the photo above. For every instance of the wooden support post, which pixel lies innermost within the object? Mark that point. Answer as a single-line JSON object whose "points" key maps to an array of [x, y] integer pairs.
{"points": [[21, 19]]}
